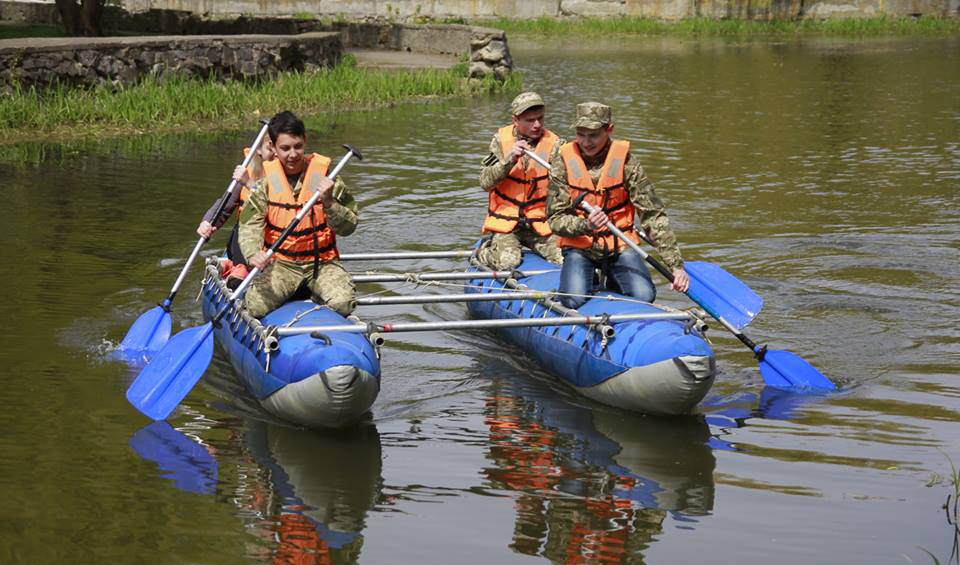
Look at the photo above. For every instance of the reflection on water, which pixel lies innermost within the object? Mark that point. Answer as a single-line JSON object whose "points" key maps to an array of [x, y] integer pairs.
{"points": [[303, 495], [311, 492], [592, 485]]}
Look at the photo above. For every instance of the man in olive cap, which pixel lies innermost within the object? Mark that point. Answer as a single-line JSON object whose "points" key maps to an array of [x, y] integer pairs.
{"points": [[603, 171], [517, 188]]}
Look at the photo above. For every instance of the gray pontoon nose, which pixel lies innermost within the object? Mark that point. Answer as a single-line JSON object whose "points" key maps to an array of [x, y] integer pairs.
{"points": [[331, 398]]}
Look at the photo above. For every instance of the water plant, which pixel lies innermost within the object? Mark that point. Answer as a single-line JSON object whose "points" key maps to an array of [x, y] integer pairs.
{"points": [[952, 509], [176, 103]]}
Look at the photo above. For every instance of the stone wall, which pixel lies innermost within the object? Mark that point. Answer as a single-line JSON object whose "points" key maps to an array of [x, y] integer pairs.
{"points": [[398, 11], [86, 61], [406, 10]]}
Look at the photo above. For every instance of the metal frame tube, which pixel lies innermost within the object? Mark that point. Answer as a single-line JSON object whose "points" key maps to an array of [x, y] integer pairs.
{"points": [[443, 298], [482, 324]]}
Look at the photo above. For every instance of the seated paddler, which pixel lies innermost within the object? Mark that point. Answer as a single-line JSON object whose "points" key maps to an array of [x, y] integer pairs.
{"points": [[308, 256], [605, 174], [517, 188], [236, 265]]}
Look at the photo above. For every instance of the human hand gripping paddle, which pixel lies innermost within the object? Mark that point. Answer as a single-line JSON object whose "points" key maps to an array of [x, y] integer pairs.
{"points": [[724, 297], [173, 372], [150, 332]]}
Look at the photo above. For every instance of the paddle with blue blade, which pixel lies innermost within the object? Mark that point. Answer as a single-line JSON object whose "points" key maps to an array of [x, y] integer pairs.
{"points": [[174, 371], [780, 369], [151, 331], [711, 286]]}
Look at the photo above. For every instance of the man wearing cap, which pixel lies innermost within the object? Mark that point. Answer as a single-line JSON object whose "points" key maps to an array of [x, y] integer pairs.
{"points": [[602, 170], [517, 188]]}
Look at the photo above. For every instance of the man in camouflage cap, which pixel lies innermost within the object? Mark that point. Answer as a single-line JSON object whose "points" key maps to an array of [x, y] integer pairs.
{"points": [[517, 188], [603, 171]]}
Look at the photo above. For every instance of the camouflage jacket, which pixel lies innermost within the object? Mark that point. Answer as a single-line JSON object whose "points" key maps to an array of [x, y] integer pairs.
{"points": [[496, 167], [653, 222], [342, 217]]}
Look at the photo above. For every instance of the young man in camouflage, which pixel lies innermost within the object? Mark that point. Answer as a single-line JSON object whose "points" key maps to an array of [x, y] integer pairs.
{"points": [[603, 171], [517, 187], [309, 254]]}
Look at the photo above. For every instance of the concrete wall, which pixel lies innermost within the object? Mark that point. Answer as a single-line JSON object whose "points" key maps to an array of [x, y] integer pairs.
{"points": [[85, 61], [439, 10], [478, 9]]}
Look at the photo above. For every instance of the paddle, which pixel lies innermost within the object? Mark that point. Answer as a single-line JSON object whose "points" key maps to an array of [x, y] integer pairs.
{"points": [[712, 285], [780, 369], [173, 372], [151, 330]]}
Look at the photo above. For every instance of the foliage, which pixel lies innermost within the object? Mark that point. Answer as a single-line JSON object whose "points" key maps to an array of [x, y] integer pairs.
{"points": [[30, 30], [167, 103]]}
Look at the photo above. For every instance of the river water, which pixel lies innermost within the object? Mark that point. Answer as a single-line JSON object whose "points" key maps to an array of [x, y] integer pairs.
{"points": [[823, 173]]}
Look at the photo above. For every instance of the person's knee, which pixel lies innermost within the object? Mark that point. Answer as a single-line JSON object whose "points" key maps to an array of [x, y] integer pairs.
{"points": [[572, 302], [648, 294], [342, 306], [256, 308]]}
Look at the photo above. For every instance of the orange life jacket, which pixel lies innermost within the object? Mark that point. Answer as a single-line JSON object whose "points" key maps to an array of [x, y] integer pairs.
{"points": [[608, 194], [522, 195], [312, 238]]}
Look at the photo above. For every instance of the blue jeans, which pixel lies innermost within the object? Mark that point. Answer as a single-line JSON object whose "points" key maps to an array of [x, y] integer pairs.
{"points": [[628, 270]]}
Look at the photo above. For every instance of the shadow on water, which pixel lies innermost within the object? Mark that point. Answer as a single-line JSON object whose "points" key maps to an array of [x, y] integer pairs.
{"points": [[303, 495]]}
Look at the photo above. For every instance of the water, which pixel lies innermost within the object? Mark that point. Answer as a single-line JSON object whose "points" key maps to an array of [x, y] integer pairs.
{"points": [[823, 173]]}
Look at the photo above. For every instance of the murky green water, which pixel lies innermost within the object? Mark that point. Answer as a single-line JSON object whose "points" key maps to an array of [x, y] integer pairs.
{"points": [[825, 174]]}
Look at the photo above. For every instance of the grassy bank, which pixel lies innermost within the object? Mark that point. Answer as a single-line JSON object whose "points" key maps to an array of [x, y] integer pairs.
{"points": [[711, 27], [17, 31], [175, 104]]}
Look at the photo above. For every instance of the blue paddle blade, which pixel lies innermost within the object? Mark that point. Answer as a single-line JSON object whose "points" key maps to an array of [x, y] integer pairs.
{"points": [[147, 335], [170, 376], [722, 294], [782, 369], [187, 463]]}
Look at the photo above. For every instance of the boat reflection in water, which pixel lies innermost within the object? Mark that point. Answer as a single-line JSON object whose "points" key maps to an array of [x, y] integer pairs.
{"points": [[304, 495], [314, 490], [595, 484]]}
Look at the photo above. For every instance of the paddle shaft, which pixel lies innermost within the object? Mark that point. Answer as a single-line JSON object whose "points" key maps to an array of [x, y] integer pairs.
{"points": [[223, 202], [660, 267], [290, 227]]}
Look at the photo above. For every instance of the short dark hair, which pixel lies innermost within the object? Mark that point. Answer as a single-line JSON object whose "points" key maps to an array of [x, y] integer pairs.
{"points": [[286, 122]]}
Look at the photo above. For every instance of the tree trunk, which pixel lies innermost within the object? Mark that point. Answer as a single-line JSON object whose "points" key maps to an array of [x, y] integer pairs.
{"points": [[91, 10], [80, 18], [69, 15]]}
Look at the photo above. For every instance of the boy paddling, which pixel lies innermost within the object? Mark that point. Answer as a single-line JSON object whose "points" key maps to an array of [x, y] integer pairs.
{"points": [[308, 256], [517, 187], [237, 266], [603, 171]]}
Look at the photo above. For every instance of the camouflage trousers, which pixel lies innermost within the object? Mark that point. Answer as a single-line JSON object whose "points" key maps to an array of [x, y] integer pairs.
{"points": [[504, 251], [332, 287]]}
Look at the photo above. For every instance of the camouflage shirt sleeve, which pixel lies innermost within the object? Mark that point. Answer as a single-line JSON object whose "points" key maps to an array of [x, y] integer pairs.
{"points": [[652, 220], [494, 169], [560, 214], [344, 214], [252, 220]]}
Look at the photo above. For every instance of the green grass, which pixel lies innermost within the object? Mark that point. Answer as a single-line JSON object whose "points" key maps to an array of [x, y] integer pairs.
{"points": [[17, 31], [711, 27], [177, 103]]}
